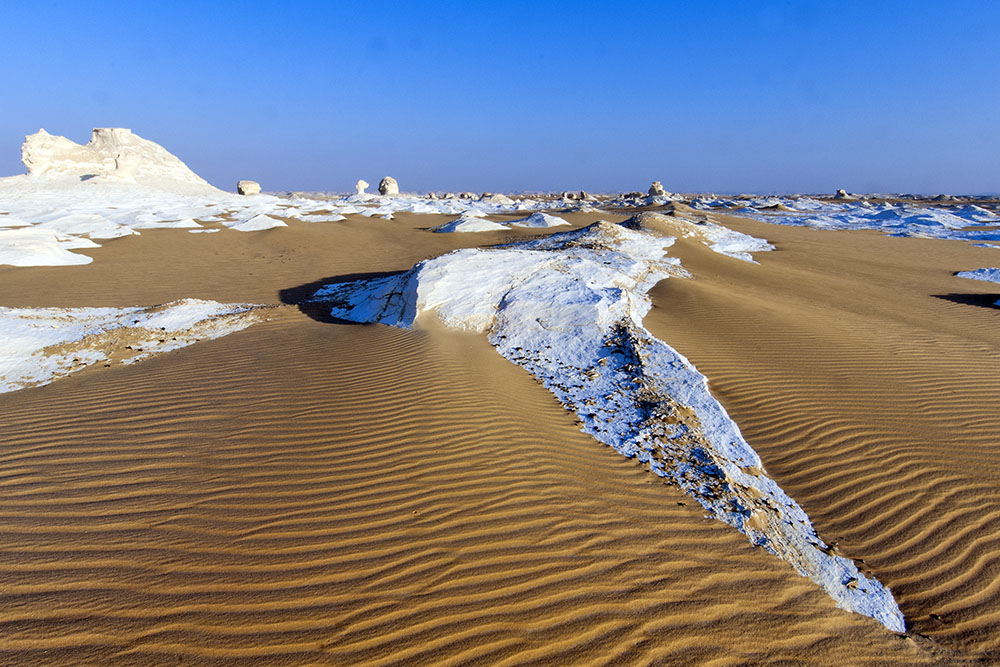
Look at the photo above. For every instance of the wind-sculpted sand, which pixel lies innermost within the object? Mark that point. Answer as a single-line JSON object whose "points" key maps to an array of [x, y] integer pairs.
{"points": [[308, 492]]}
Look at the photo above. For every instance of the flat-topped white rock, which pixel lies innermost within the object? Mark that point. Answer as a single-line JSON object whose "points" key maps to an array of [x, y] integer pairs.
{"points": [[388, 186], [113, 154], [248, 188]]}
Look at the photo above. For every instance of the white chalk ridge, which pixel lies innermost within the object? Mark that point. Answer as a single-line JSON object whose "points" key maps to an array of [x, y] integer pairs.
{"points": [[569, 308], [39, 345]]}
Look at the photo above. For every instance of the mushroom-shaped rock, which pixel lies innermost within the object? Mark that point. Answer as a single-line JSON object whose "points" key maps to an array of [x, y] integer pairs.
{"points": [[388, 186], [360, 186], [656, 189], [248, 188]]}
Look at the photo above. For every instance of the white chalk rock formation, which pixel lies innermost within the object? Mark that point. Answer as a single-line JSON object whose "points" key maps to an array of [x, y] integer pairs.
{"points": [[361, 186], [569, 308], [841, 194], [248, 188], [469, 222], [656, 189], [388, 186], [113, 154], [539, 220], [38, 345], [499, 199]]}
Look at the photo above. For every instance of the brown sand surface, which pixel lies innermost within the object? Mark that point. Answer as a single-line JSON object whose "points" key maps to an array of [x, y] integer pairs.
{"points": [[867, 376], [312, 493]]}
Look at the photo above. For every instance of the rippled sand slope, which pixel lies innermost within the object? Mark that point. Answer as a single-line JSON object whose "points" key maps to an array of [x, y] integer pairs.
{"points": [[305, 492]]}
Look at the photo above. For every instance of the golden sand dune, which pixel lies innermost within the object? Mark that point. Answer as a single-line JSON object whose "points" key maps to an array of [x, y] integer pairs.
{"points": [[312, 493]]}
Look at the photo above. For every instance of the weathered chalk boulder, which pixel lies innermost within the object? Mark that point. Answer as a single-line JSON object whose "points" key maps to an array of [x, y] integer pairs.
{"points": [[248, 188], [656, 189], [841, 194], [467, 195], [388, 186]]}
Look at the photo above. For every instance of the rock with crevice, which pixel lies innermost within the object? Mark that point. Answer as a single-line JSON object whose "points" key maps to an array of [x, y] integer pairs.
{"points": [[388, 186], [248, 188], [656, 189]]}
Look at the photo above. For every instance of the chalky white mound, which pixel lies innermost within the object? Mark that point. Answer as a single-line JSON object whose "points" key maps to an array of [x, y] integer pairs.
{"points": [[113, 155], [685, 222], [38, 345], [471, 221], [990, 275], [569, 309]]}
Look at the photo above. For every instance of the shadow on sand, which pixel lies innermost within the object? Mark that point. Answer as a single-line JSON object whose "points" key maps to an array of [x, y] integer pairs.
{"points": [[302, 294], [981, 300]]}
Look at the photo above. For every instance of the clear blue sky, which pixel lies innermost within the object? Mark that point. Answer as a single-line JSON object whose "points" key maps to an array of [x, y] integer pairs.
{"points": [[704, 96]]}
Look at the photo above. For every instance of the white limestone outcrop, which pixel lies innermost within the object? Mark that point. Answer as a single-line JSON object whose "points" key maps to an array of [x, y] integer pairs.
{"points": [[113, 154]]}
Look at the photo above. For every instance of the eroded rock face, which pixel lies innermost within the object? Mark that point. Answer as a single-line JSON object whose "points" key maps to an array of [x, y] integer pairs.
{"points": [[388, 186], [841, 194], [361, 185], [113, 154], [248, 188], [656, 189]]}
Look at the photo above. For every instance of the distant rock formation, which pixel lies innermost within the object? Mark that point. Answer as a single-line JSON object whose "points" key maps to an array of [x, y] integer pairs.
{"points": [[467, 195], [656, 189], [113, 154], [360, 186], [248, 188], [500, 199], [449, 195], [841, 194], [388, 186]]}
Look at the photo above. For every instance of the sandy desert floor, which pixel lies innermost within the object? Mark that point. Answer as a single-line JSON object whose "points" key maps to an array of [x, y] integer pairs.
{"points": [[307, 492]]}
